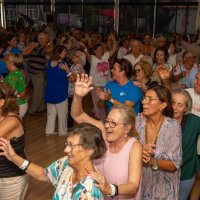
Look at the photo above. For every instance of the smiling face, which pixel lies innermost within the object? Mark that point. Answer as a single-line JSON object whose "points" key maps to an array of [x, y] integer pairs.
{"points": [[118, 132], [179, 105], [75, 152], [152, 104], [140, 75]]}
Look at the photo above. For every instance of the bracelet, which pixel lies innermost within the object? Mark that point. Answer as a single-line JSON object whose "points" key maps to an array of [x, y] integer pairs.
{"points": [[116, 190], [24, 165], [70, 73], [27, 166]]}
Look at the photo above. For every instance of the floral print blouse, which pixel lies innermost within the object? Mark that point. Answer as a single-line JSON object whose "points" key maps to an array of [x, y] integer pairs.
{"points": [[60, 174]]}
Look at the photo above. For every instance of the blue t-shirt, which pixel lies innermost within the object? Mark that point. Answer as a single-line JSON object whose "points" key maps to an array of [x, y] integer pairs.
{"points": [[56, 84], [3, 68], [122, 93], [14, 50]]}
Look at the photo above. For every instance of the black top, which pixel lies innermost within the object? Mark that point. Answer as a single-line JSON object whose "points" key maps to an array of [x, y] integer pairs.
{"points": [[7, 168]]}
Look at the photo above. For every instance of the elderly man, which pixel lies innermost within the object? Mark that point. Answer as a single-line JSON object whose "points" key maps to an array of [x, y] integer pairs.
{"points": [[183, 74], [37, 72], [135, 54], [195, 94]]}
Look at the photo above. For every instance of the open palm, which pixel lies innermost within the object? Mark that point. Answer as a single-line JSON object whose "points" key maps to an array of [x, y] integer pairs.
{"points": [[83, 85]]}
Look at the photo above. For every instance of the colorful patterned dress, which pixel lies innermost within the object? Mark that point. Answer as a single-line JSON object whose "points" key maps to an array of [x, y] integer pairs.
{"points": [[60, 174]]}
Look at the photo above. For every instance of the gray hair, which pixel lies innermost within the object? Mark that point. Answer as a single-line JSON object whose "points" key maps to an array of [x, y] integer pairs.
{"points": [[188, 99]]}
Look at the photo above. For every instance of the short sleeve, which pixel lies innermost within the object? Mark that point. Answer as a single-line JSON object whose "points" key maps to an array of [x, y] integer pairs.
{"points": [[55, 170]]}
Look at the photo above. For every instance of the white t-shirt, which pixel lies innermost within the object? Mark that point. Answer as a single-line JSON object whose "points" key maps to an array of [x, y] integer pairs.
{"points": [[195, 102], [100, 70], [195, 109], [121, 52], [132, 59]]}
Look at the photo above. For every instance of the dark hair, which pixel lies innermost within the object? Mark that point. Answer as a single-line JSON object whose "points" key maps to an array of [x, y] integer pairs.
{"points": [[8, 38], [57, 50], [126, 66], [90, 138], [7, 92], [164, 95], [164, 50], [95, 47]]}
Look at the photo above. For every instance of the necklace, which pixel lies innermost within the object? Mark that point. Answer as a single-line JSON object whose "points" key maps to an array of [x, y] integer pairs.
{"points": [[157, 134]]}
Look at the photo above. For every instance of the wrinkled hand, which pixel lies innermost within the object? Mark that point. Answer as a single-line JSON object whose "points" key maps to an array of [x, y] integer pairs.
{"points": [[101, 182], [6, 149], [83, 85], [164, 73], [104, 95], [148, 152]]}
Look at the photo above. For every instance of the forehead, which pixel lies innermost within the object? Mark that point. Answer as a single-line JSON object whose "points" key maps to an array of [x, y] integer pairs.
{"points": [[115, 115], [138, 66], [160, 52], [198, 76], [135, 43], [151, 93], [179, 98], [189, 54], [73, 138]]}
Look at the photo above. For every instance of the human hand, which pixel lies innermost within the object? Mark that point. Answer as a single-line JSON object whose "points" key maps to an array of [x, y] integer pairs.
{"points": [[164, 73], [100, 94], [6, 149], [148, 152], [83, 85], [64, 67], [101, 182]]}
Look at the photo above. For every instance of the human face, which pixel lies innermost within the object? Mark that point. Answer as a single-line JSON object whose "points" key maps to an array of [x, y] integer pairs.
{"points": [[147, 40], [13, 42], [152, 104], [63, 54], [118, 132], [99, 51], [9, 65], [140, 75], [116, 71], [75, 152], [171, 49], [135, 48], [179, 105], [197, 83], [189, 60], [160, 57]]}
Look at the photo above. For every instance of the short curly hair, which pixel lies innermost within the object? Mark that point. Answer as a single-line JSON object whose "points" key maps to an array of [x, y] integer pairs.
{"points": [[90, 138], [7, 93]]}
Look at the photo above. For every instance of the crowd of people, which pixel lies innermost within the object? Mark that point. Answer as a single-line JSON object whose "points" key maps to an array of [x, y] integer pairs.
{"points": [[141, 142]]}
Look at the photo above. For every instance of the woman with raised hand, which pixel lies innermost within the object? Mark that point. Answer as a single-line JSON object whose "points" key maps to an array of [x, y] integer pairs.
{"points": [[119, 173], [70, 174]]}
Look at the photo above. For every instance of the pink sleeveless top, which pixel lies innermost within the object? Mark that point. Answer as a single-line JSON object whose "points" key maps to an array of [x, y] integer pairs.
{"points": [[114, 166]]}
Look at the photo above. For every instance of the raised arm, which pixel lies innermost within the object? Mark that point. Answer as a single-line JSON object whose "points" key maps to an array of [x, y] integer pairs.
{"points": [[114, 47], [82, 87], [34, 170]]}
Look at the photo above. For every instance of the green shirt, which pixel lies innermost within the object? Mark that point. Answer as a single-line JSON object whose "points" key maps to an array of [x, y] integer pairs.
{"points": [[190, 132], [17, 81]]}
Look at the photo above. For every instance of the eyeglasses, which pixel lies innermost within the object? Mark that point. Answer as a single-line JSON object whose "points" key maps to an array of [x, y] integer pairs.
{"points": [[112, 124], [149, 99], [71, 146], [137, 70]]}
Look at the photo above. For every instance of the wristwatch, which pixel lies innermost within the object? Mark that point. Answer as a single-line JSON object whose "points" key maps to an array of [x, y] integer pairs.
{"points": [[155, 165]]}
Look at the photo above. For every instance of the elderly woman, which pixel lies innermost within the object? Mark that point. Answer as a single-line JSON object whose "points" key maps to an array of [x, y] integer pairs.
{"points": [[56, 91], [143, 72], [122, 163], [100, 72], [190, 123], [14, 63], [69, 175], [121, 89], [161, 139], [162, 69], [13, 181]]}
